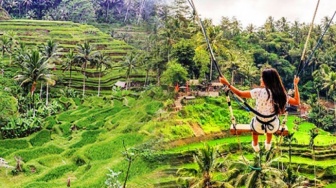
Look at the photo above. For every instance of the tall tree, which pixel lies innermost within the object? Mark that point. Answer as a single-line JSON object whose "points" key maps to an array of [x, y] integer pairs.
{"points": [[70, 61], [35, 69], [130, 63], [101, 62], [84, 56], [206, 160], [50, 50]]}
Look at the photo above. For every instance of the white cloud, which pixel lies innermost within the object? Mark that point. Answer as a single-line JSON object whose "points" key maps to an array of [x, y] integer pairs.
{"points": [[257, 11]]}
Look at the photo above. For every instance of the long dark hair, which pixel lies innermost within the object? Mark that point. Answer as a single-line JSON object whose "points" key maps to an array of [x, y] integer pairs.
{"points": [[273, 82]]}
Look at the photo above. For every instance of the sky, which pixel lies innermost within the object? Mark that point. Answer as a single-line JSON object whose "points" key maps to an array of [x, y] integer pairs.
{"points": [[257, 11]]}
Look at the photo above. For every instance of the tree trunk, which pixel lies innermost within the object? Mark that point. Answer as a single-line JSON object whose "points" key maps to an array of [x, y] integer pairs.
{"points": [[232, 77], [47, 98], [33, 105], [70, 77], [107, 8], [146, 79], [127, 82], [127, 173], [99, 83], [41, 92], [85, 66], [158, 77], [126, 13]]}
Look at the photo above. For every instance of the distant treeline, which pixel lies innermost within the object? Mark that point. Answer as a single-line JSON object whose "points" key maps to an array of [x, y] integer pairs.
{"points": [[109, 11]]}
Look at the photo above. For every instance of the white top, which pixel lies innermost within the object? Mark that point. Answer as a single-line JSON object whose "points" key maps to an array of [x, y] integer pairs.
{"points": [[264, 105]]}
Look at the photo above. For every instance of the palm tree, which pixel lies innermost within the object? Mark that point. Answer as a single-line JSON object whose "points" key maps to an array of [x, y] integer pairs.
{"points": [[206, 160], [5, 43], [330, 84], [313, 133], [50, 51], [27, 3], [290, 177], [282, 25], [269, 25], [257, 173], [146, 62], [289, 139], [130, 65], [34, 69], [101, 61], [20, 53], [250, 28], [84, 56], [70, 60]]}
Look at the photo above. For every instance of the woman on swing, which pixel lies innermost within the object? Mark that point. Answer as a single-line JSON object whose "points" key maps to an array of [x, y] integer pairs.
{"points": [[271, 99]]}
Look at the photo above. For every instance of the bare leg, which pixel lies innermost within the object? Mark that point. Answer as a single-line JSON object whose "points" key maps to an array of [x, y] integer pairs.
{"points": [[268, 138], [255, 138]]}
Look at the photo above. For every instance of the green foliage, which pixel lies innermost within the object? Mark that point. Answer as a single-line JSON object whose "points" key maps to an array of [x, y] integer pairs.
{"points": [[49, 160], [8, 107], [153, 107], [35, 153], [65, 128], [21, 127], [77, 11], [41, 138], [40, 185], [57, 172], [107, 149], [80, 160], [173, 132], [17, 143], [184, 52], [88, 137], [175, 73], [68, 103], [50, 122]]}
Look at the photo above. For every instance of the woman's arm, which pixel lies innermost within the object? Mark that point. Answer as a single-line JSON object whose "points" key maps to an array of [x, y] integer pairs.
{"points": [[296, 100], [244, 94]]}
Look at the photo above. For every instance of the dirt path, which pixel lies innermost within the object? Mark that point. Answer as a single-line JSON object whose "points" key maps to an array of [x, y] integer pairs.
{"points": [[198, 131], [178, 104]]}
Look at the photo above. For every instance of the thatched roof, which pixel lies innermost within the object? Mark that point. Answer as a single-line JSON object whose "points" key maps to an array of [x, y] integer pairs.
{"points": [[120, 84]]}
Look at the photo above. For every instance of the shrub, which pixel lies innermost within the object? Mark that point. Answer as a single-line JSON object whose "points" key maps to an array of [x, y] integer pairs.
{"points": [[30, 154], [50, 122], [65, 128], [153, 107], [15, 144], [88, 137], [110, 148], [41, 138], [80, 160], [57, 172]]}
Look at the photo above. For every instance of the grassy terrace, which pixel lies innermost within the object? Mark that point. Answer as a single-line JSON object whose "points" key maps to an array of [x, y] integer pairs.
{"points": [[56, 153], [68, 35]]}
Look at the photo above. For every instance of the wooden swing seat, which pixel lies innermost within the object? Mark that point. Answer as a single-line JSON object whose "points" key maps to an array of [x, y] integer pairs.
{"points": [[244, 128]]}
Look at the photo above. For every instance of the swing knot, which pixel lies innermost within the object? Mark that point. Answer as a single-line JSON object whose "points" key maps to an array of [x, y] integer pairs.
{"points": [[266, 125]]}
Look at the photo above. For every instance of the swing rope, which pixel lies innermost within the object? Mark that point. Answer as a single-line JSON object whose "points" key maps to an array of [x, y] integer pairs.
{"points": [[317, 45], [308, 37], [213, 59], [212, 56]]}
